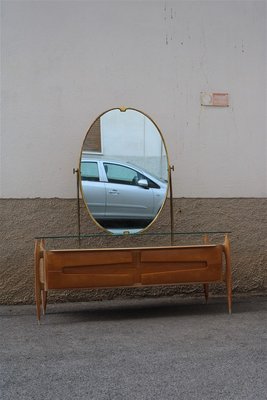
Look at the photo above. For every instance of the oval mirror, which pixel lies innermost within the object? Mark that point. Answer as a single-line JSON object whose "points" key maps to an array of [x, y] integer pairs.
{"points": [[124, 171]]}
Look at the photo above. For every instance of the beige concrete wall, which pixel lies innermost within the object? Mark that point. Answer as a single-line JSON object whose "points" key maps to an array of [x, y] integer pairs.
{"points": [[65, 62], [23, 219]]}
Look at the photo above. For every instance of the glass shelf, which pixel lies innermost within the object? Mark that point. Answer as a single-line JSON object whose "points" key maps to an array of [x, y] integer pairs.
{"points": [[139, 235]]}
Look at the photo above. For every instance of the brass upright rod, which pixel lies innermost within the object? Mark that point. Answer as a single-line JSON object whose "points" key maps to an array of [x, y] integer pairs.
{"points": [[171, 168], [76, 171]]}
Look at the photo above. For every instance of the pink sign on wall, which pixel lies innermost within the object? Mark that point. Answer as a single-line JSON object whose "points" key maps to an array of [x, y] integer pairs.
{"points": [[215, 99], [220, 99]]}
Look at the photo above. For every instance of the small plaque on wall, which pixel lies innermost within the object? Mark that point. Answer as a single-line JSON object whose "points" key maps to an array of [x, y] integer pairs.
{"points": [[214, 99]]}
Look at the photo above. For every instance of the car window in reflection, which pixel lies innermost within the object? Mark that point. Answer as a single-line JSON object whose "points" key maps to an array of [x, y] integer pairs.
{"points": [[89, 171], [152, 184], [122, 175]]}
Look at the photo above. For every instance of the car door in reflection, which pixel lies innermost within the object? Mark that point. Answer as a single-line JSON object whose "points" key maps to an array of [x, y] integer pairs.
{"points": [[94, 190], [125, 197]]}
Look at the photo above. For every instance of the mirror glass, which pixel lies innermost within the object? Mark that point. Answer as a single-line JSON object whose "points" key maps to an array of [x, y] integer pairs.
{"points": [[124, 171]]}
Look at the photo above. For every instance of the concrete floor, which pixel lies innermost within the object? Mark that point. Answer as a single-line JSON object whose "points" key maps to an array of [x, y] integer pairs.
{"points": [[160, 349]]}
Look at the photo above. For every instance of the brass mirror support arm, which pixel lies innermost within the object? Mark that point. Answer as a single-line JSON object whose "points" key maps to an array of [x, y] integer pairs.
{"points": [[76, 171], [170, 169]]}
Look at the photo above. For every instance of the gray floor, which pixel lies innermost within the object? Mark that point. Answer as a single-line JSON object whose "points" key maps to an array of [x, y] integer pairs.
{"points": [[160, 349]]}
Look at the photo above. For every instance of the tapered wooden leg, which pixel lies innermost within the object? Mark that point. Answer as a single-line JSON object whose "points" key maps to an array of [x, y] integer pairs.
{"points": [[37, 280], [206, 285], [206, 291], [38, 301], [228, 273], [44, 300], [229, 301]]}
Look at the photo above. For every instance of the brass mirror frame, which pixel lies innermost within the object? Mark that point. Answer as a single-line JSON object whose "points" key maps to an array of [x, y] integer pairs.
{"points": [[79, 180]]}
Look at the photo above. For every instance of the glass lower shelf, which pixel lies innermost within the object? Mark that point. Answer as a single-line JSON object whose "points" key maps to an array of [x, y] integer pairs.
{"points": [[126, 234]]}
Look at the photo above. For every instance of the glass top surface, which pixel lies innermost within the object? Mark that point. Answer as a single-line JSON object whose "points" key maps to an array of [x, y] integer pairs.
{"points": [[127, 234]]}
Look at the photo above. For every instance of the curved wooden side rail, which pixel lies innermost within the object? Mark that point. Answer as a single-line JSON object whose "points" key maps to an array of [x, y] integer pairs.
{"points": [[131, 267], [40, 291]]}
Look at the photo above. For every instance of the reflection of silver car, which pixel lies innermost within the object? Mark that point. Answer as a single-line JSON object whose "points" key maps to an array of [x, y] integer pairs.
{"points": [[116, 190]]}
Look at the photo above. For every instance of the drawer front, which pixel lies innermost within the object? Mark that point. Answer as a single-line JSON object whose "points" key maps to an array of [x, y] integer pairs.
{"points": [[181, 265], [89, 269]]}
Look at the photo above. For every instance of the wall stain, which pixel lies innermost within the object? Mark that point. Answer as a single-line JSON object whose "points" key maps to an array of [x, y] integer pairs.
{"points": [[243, 51], [168, 14]]}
